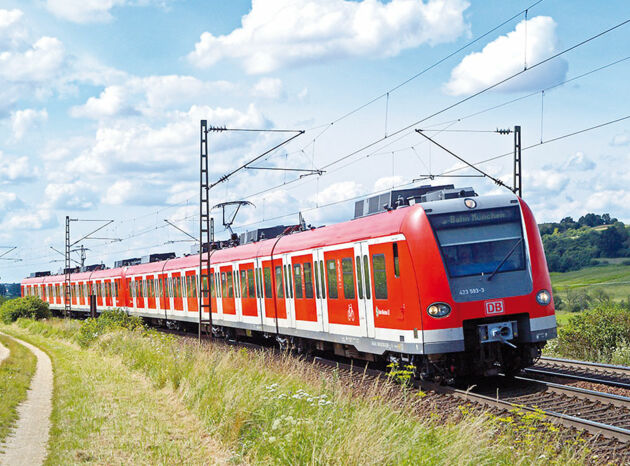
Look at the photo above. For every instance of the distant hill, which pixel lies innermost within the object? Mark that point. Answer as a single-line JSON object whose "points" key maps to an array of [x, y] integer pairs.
{"points": [[572, 245]]}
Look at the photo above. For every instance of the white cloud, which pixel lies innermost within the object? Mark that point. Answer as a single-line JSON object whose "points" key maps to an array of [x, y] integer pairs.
{"points": [[29, 220], [544, 182], [15, 169], [136, 192], [79, 195], [23, 120], [9, 201], [578, 162], [387, 182], [269, 88], [42, 62], [339, 191], [622, 139], [112, 101], [504, 57], [12, 32], [148, 96], [279, 33], [91, 11]]}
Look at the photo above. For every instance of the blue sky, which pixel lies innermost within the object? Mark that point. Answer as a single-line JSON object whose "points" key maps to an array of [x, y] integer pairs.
{"points": [[100, 103]]}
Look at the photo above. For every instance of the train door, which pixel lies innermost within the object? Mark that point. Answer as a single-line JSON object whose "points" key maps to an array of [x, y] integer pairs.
{"points": [[364, 286], [150, 292], [191, 291], [165, 300], [227, 290], [249, 306], [259, 291], [320, 289], [341, 290], [215, 290], [289, 296], [178, 304]]}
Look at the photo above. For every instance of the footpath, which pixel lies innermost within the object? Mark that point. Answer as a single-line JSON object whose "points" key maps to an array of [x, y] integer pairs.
{"points": [[27, 443]]}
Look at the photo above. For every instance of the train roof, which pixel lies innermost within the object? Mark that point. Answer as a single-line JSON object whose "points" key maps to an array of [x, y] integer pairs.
{"points": [[362, 228]]}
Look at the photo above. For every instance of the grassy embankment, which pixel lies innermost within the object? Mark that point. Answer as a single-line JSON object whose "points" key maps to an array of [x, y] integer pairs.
{"points": [[265, 408], [16, 373], [601, 331], [105, 413]]}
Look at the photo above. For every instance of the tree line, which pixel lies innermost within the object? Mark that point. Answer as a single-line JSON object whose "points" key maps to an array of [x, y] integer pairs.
{"points": [[571, 245]]}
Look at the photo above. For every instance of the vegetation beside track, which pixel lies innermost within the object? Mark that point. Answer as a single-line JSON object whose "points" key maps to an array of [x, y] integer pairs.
{"points": [[16, 373], [268, 408], [600, 334], [104, 413]]}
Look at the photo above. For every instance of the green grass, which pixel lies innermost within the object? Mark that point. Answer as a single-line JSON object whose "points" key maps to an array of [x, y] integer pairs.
{"points": [[16, 373], [614, 280], [274, 409], [104, 413]]}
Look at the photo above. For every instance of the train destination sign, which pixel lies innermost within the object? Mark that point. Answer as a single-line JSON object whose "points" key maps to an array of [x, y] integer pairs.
{"points": [[463, 219]]}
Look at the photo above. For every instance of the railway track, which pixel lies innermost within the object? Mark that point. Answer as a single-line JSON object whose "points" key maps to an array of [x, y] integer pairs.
{"points": [[604, 416], [604, 374]]}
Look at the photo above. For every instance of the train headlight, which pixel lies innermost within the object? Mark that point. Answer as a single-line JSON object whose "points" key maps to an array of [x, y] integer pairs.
{"points": [[543, 297], [439, 310]]}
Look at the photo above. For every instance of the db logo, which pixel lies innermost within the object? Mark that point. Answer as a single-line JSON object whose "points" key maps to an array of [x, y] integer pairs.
{"points": [[494, 307]]}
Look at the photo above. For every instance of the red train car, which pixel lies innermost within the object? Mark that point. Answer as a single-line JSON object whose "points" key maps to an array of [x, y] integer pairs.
{"points": [[452, 282]]}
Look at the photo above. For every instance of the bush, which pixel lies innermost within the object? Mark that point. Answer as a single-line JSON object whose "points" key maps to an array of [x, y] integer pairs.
{"points": [[108, 321], [30, 307], [598, 334]]}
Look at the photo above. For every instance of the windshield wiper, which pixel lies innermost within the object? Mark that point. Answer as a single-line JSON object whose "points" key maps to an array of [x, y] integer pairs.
{"points": [[505, 258]]}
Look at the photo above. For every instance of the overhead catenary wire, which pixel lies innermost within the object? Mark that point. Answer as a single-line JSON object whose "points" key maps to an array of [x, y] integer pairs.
{"points": [[459, 102]]}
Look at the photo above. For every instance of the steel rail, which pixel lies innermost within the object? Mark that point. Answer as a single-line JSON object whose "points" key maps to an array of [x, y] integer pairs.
{"points": [[593, 427], [623, 369], [583, 393]]}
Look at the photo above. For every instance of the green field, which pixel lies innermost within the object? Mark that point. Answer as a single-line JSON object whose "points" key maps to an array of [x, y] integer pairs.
{"points": [[614, 280]]}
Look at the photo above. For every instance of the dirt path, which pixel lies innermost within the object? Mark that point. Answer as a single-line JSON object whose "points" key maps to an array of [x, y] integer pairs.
{"points": [[27, 443], [4, 353]]}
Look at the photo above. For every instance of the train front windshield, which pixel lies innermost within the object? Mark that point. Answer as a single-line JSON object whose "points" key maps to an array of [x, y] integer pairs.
{"points": [[480, 242]]}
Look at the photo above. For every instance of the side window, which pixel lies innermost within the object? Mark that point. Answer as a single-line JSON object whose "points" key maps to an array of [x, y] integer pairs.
{"points": [[348, 277], [396, 262], [359, 276], [193, 286], [366, 276], [331, 265], [290, 277], [297, 279], [251, 286], [243, 284], [258, 283], [380, 276], [322, 279], [308, 280], [267, 272], [317, 282], [212, 288], [279, 286], [286, 282], [230, 285], [223, 285]]}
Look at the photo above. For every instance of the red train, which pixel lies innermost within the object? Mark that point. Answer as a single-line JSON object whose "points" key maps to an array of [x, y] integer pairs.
{"points": [[452, 282]]}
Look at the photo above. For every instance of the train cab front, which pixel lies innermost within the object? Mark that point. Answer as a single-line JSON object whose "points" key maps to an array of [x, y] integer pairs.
{"points": [[492, 296]]}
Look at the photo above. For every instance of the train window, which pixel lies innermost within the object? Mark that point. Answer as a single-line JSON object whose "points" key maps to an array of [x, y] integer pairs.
{"points": [[243, 284], [297, 279], [230, 285], [360, 277], [331, 265], [286, 282], [366, 275], [170, 288], [380, 276], [348, 278], [212, 287], [308, 280], [322, 279], [290, 277], [396, 262], [151, 287], [250, 283], [279, 286], [317, 292], [258, 283], [116, 288], [267, 272], [223, 285]]}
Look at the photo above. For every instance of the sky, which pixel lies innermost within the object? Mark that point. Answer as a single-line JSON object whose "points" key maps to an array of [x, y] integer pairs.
{"points": [[101, 103]]}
